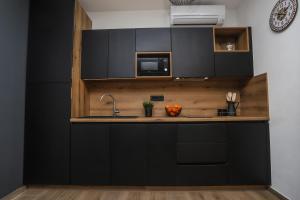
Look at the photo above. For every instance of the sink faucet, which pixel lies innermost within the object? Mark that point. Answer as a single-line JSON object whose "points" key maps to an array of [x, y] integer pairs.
{"points": [[115, 110]]}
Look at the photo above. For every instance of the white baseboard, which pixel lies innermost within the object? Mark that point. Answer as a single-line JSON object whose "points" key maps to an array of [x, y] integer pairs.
{"points": [[278, 194]]}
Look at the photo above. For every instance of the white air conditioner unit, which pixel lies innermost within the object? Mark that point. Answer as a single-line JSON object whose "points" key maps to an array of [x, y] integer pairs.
{"points": [[198, 15]]}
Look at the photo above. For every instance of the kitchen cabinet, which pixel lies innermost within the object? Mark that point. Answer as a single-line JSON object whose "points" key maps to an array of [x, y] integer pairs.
{"points": [[153, 40], [192, 52], [90, 160], [237, 64], [121, 53], [94, 64], [161, 147], [249, 153], [128, 154], [50, 41], [202, 175], [202, 144], [202, 154], [169, 154], [47, 134], [47, 126]]}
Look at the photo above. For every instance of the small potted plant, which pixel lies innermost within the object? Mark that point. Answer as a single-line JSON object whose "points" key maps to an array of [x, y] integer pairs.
{"points": [[148, 106]]}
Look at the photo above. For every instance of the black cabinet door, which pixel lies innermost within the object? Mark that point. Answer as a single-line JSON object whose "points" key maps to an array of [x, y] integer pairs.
{"points": [[153, 39], [234, 64], [202, 154], [90, 160], [161, 154], [202, 144], [128, 154], [121, 53], [249, 159], [192, 52], [202, 175], [47, 134], [50, 41], [94, 64]]}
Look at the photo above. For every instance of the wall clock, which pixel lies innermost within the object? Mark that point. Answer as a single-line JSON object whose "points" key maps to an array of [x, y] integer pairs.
{"points": [[283, 14]]}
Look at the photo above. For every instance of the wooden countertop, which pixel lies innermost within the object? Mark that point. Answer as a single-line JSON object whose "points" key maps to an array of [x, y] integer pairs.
{"points": [[167, 119]]}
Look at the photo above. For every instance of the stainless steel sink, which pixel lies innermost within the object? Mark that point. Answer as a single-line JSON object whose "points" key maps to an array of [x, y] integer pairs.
{"points": [[110, 117]]}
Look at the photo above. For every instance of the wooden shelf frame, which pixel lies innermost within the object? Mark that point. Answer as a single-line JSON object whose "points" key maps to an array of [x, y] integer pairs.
{"points": [[239, 36]]}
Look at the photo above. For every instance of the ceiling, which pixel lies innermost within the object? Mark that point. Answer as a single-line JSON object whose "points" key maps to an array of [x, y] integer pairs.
{"points": [[123, 5]]}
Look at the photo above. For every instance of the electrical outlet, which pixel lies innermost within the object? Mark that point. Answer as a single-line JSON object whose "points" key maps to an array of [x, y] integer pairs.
{"points": [[157, 98]]}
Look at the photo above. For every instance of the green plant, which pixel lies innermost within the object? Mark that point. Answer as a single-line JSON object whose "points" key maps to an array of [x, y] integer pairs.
{"points": [[148, 104]]}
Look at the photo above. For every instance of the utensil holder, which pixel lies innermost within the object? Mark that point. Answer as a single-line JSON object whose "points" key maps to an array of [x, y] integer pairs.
{"points": [[232, 108]]}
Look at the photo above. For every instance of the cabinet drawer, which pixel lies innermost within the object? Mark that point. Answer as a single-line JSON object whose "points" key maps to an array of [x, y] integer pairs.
{"points": [[201, 153], [202, 175], [193, 133]]}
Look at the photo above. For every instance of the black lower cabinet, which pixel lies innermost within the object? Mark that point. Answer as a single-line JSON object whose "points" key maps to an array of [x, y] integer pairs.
{"points": [[128, 154], [90, 160], [249, 154], [161, 150], [47, 134], [202, 154], [202, 175]]}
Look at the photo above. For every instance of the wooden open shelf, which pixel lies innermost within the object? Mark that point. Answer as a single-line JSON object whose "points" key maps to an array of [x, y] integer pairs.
{"points": [[238, 37]]}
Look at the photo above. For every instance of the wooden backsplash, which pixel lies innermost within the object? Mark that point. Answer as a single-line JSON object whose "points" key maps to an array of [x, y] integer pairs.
{"points": [[254, 97], [201, 98]]}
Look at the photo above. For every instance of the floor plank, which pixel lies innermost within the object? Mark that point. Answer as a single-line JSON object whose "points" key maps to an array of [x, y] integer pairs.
{"points": [[57, 193]]}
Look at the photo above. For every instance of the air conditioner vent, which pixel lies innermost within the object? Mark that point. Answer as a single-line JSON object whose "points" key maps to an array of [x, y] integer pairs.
{"points": [[198, 15]]}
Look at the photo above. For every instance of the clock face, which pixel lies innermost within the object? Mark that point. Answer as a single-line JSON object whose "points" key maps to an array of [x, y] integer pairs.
{"points": [[283, 14]]}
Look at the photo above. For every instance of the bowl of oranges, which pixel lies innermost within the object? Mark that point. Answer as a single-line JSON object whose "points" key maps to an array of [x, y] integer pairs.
{"points": [[173, 110]]}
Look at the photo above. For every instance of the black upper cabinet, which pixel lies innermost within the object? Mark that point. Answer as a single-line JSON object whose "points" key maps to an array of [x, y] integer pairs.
{"points": [[192, 52], [162, 154], [94, 64], [47, 134], [50, 41], [90, 160], [234, 64], [121, 53], [250, 154], [153, 39], [128, 154]]}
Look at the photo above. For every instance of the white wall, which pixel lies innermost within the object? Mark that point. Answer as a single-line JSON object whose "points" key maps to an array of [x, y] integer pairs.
{"points": [[278, 54], [142, 19]]}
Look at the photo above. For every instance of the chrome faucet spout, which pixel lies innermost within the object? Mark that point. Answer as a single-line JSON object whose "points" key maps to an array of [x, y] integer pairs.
{"points": [[115, 110]]}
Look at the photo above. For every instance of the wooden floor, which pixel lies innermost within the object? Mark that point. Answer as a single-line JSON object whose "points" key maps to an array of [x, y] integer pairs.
{"points": [[139, 194]]}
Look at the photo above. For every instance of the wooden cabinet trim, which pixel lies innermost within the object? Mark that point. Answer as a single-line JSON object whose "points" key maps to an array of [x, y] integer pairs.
{"points": [[154, 77]]}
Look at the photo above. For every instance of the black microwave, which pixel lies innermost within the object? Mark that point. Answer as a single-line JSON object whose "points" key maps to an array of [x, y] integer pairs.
{"points": [[153, 66]]}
